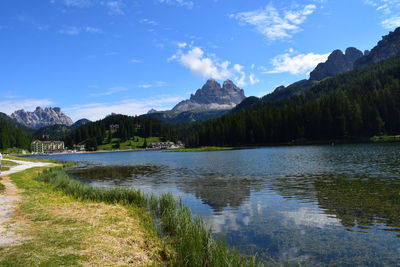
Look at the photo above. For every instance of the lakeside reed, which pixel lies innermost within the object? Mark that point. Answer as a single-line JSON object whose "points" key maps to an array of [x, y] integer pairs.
{"points": [[192, 239]]}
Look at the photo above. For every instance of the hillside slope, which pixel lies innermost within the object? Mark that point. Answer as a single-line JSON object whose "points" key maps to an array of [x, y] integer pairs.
{"points": [[357, 104]]}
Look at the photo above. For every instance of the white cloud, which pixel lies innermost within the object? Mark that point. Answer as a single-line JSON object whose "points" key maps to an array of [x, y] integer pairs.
{"points": [[93, 30], [182, 3], [296, 63], [73, 30], [114, 7], [391, 23], [390, 10], [275, 24], [148, 21], [96, 111], [135, 60], [8, 106], [150, 85], [70, 30], [240, 79], [110, 91], [182, 45], [200, 65], [308, 217], [253, 79], [209, 66], [75, 3]]}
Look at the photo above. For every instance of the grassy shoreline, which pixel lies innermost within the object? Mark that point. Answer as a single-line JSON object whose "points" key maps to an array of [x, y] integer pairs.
{"points": [[190, 238], [202, 149], [67, 223], [64, 231], [386, 139]]}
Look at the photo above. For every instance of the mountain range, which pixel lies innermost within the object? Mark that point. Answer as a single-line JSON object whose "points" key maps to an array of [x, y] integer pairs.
{"points": [[41, 117], [210, 101], [338, 63]]}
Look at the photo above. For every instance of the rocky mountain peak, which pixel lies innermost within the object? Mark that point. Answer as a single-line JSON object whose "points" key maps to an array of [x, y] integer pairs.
{"points": [[388, 47], [352, 54], [41, 117], [213, 97], [337, 63], [211, 84]]}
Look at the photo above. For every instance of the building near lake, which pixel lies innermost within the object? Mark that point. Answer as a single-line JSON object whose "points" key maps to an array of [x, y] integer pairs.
{"points": [[79, 148], [38, 146], [162, 145]]}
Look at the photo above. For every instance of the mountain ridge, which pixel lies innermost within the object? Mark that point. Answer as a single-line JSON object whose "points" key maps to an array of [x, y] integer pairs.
{"points": [[212, 96], [338, 63], [210, 101], [41, 117]]}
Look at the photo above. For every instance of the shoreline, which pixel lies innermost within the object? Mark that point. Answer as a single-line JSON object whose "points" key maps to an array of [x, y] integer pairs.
{"points": [[371, 140]]}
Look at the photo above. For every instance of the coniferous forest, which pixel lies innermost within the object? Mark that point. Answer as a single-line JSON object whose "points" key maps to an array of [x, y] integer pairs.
{"points": [[355, 105], [12, 135], [93, 134]]}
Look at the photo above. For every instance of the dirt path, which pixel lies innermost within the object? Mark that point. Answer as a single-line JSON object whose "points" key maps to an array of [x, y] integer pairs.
{"points": [[8, 203]]}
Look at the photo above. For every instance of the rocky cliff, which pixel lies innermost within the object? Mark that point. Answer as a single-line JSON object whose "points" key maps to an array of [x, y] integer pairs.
{"points": [[336, 64], [388, 47], [213, 97], [41, 117]]}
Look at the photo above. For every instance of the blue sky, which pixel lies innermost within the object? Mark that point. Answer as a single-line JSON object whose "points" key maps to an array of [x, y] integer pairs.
{"points": [[94, 57]]}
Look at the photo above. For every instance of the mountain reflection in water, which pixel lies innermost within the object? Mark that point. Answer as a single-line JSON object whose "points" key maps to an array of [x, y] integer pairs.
{"points": [[319, 205]]}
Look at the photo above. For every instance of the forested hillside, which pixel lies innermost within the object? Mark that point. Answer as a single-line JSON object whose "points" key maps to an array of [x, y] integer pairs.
{"points": [[357, 104], [12, 135], [97, 133]]}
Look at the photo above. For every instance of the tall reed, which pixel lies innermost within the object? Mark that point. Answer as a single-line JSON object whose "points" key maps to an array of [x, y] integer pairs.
{"points": [[191, 238]]}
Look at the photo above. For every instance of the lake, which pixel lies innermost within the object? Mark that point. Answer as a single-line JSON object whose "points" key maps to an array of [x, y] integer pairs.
{"points": [[320, 205]]}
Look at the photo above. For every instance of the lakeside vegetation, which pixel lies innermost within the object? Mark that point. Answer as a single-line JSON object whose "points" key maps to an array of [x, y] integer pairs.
{"points": [[30, 159], [191, 239], [385, 139], [201, 149], [64, 231]]}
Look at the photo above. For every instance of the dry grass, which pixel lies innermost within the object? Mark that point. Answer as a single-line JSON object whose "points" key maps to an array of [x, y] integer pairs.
{"points": [[68, 232]]}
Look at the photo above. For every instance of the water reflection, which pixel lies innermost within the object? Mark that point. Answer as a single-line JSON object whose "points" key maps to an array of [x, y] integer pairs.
{"points": [[358, 203], [219, 192], [319, 205]]}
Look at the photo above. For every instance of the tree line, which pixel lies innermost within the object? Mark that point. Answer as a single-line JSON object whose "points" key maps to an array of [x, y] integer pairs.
{"points": [[11, 135], [99, 132], [357, 104]]}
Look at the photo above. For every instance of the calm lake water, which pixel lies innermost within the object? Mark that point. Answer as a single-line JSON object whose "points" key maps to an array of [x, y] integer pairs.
{"points": [[336, 205]]}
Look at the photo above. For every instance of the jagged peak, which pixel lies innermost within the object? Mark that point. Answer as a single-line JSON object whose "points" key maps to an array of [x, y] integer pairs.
{"points": [[41, 117]]}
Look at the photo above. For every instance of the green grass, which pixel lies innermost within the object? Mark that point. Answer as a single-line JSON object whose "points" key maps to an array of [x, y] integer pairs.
{"points": [[188, 234], [135, 142], [201, 149], [385, 138], [5, 168], [64, 231], [9, 163], [30, 159], [13, 150], [2, 187]]}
